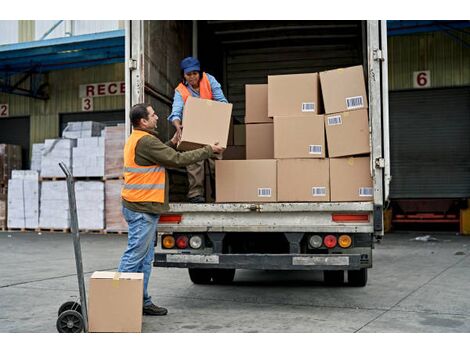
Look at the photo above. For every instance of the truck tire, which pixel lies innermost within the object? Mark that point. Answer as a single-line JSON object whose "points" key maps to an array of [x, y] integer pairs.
{"points": [[333, 277], [223, 276], [200, 276], [357, 278]]}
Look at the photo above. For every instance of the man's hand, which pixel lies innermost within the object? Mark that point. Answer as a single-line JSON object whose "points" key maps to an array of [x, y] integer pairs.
{"points": [[216, 148], [175, 139]]}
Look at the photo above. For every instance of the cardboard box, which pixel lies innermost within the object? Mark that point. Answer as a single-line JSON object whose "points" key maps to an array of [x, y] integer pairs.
{"points": [[239, 134], [303, 180], [260, 141], [245, 181], [350, 180], [294, 95], [299, 137], [347, 133], [205, 122], [115, 302], [343, 89], [235, 152], [256, 103]]}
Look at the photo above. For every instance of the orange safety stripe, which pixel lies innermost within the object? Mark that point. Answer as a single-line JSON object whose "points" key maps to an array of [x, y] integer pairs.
{"points": [[205, 90]]}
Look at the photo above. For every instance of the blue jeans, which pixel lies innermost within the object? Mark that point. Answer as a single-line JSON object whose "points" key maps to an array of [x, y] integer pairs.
{"points": [[139, 253]]}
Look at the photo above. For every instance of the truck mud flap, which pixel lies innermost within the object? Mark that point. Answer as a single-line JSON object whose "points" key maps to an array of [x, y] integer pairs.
{"points": [[261, 261]]}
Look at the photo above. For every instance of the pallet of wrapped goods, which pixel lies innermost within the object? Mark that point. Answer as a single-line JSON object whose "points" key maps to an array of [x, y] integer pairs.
{"points": [[88, 157], [114, 220], [55, 151], [23, 200], [3, 211], [10, 159], [36, 156], [90, 204], [82, 129], [114, 151], [54, 206]]}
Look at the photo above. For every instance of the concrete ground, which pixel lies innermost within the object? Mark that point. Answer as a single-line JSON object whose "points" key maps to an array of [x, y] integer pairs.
{"points": [[413, 287]]}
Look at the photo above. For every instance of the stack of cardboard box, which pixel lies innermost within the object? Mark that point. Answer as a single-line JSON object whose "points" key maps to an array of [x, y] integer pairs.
{"points": [[88, 157], [23, 200], [90, 205], [305, 141]]}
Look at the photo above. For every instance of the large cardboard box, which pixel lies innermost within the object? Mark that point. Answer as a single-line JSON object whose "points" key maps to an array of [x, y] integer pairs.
{"points": [[347, 133], [115, 302], [205, 122], [294, 95], [299, 137], [343, 89], [260, 141], [303, 180], [350, 180], [245, 181], [256, 103]]}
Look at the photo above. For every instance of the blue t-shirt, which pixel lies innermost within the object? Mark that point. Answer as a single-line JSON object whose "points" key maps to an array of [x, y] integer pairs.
{"points": [[178, 102]]}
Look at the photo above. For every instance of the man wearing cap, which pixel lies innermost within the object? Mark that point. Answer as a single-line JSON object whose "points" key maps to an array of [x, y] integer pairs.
{"points": [[202, 85]]}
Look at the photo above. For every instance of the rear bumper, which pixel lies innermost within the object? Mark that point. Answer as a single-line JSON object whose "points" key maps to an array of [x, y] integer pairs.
{"points": [[262, 261]]}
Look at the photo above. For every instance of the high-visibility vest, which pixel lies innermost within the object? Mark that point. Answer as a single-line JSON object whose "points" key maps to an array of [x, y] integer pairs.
{"points": [[141, 183], [205, 90]]}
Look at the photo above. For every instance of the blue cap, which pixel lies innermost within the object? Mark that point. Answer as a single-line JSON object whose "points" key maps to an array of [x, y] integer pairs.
{"points": [[190, 64]]}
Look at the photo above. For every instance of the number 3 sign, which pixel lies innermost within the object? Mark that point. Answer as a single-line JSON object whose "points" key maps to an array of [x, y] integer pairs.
{"points": [[87, 104], [422, 79]]}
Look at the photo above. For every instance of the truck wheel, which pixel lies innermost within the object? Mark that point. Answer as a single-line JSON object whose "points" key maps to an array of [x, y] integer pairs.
{"points": [[333, 277], [357, 278], [200, 276], [223, 276]]}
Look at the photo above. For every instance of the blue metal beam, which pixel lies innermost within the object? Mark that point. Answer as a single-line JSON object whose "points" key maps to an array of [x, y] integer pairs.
{"points": [[411, 27]]}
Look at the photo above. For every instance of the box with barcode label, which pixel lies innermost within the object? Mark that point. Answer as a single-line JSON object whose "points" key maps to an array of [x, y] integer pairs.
{"points": [[294, 95], [350, 180], [303, 180], [239, 181], [347, 133], [343, 89], [299, 137]]}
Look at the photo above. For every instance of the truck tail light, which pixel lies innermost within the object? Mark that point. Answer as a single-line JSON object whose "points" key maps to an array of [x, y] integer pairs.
{"points": [[350, 217], [195, 242], [330, 241], [170, 219], [344, 241], [315, 241], [168, 242], [182, 242]]}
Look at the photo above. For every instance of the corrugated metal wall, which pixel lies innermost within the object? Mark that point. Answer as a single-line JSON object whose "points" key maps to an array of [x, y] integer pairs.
{"points": [[446, 57], [64, 97]]}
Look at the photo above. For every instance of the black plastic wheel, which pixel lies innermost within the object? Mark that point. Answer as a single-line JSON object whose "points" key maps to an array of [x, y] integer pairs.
{"points": [[333, 277], [223, 276], [70, 305], [200, 276], [70, 321], [357, 278]]}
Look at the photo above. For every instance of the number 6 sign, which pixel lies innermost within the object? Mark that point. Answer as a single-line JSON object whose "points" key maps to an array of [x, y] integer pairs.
{"points": [[421, 79]]}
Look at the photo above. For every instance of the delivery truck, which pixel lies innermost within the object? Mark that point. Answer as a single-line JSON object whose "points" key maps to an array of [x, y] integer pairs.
{"points": [[212, 240]]}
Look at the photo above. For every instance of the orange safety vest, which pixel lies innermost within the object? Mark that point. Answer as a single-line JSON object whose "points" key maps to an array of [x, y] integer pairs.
{"points": [[205, 90], [141, 183]]}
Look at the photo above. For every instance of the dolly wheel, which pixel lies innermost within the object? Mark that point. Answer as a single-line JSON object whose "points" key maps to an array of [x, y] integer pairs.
{"points": [[70, 305], [70, 321]]}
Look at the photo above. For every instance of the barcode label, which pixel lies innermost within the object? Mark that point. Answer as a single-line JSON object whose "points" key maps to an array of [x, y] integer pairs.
{"points": [[308, 107], [365, 192], [264, 192], [315, 149], [335, 120], [318, 191], [354, 102]]}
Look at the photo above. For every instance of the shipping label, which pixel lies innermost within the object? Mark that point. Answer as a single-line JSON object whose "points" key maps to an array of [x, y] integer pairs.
{"points": [[335, 120], [265, 192], [308, 107], [355, 102], [315, 149], [366, 192], [318, 191]]}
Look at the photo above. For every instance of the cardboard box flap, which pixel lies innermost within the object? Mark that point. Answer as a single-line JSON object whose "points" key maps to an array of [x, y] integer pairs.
{"points": [[117, 275]]}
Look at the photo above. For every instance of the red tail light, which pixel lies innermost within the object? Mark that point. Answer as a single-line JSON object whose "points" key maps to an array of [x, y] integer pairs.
{"points": [[330, 241], [350, 217], [170, 218], [182, 242]]}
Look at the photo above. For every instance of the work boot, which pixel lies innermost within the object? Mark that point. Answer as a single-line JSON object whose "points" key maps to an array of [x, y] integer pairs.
{"points": [[152, 309], [197, 199]]}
